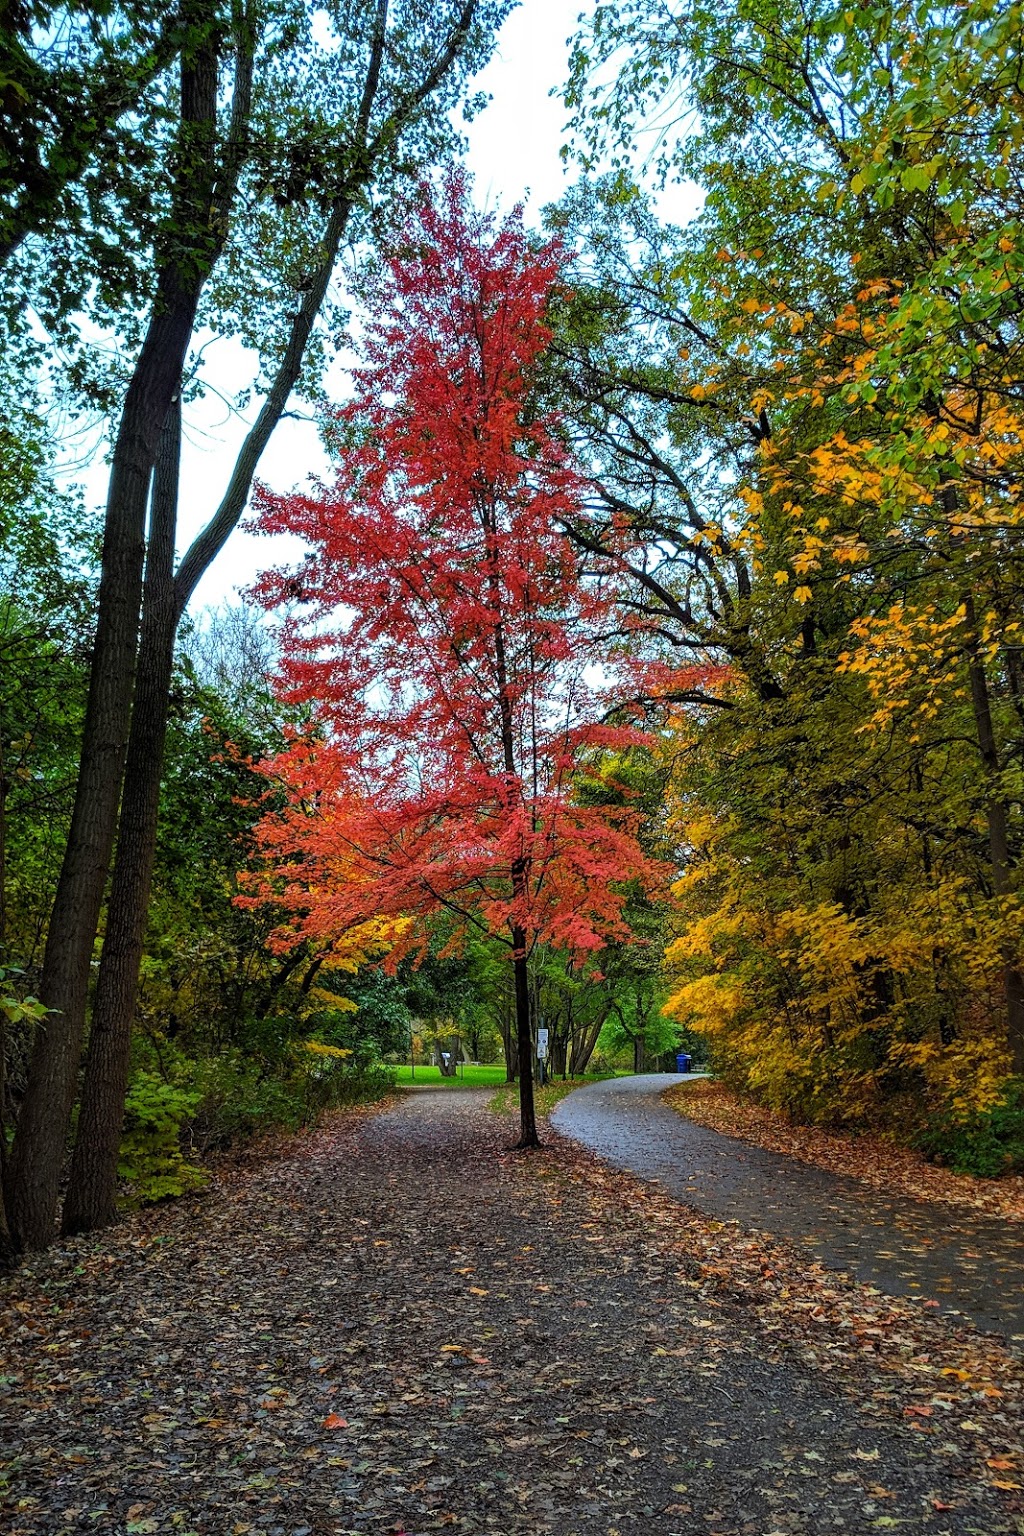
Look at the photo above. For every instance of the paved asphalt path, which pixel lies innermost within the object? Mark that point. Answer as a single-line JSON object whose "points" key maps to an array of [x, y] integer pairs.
{"points": [[970, 1264]]}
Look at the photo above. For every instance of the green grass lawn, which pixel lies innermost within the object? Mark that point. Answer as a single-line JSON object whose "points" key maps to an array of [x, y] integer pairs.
{"points": [[506, 1100], [469, 1077]]}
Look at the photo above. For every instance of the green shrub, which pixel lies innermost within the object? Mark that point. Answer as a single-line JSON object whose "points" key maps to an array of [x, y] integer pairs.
{"points": [[151, 1160], [237, 1096], [363, 1084], [987, 1143], [331, 1078]]}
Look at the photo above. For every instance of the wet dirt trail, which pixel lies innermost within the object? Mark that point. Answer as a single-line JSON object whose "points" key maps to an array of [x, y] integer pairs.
{"points": [[400, 1326], [970, 1264]]}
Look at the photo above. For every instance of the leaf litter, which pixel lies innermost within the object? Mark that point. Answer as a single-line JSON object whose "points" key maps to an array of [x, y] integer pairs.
{"points": [[400, 1326], [872, 1159]]}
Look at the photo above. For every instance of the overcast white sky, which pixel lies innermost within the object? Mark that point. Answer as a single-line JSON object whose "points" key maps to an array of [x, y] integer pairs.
{"points": [[514, 153]]}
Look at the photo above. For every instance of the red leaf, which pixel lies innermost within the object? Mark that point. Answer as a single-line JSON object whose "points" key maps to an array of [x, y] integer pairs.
{"points": [[455, 652]]}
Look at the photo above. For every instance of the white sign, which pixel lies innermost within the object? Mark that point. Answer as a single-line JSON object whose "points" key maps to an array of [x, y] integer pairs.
{"points": [[542, 1044]]}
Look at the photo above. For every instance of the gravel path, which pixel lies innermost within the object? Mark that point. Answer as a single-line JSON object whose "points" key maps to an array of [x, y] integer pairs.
{"points": [[402, 1327], [970, 1264]]}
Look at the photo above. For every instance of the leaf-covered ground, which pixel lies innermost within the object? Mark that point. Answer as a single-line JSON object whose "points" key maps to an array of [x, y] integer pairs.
{"points": [[400, 1326], [871, 1159], [958, 1261]]}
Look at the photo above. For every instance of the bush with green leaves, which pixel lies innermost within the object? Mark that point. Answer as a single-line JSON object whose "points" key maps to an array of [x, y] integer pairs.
{"points": [[235, 1097], [151, 1160], [988, 1143]]}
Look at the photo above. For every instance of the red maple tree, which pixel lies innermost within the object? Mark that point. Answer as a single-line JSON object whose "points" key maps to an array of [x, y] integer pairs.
{"points": [[450, 643]]}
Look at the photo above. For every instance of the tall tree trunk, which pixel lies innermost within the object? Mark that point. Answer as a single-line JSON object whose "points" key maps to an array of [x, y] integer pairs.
{"points": [[558, 1042], [507, 1025], [520, 869], [8, 1248], [524, 1042], [1000, 859], [7, 1253], [38, 1150], [91, 1200]]}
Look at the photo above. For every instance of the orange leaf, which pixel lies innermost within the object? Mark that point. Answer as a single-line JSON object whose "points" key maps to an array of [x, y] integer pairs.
{"points": [[335, 1421]]}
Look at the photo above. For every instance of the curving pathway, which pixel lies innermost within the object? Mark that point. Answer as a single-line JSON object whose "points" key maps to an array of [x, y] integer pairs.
{"points": [[970, 1264], [398, 1326]]}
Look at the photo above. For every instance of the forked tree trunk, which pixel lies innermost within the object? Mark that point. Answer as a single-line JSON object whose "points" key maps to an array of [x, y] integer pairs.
{"points": [[584, 1043], [558, 1046], [449, 1068], [38, 1150], [91, 1200]]}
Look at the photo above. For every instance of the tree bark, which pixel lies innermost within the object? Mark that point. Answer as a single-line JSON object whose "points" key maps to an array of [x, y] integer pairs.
{"points": [[507, 1025], [91, 1200], [524, 1042], [453, 1053], [519, 872], [584, 1043], [7, 1253], [560, 1033], [38, 1150], [1000, 858]]}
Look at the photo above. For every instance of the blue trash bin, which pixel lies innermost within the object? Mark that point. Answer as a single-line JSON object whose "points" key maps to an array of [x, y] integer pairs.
{"points": [[683, 1060]]}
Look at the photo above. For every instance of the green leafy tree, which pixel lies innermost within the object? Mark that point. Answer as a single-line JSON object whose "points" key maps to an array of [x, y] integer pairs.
{"points": [[821, 406]]}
